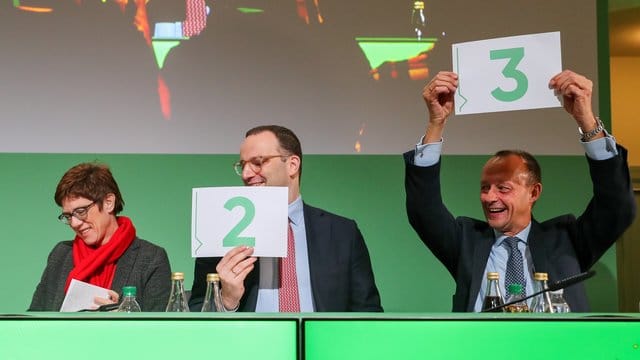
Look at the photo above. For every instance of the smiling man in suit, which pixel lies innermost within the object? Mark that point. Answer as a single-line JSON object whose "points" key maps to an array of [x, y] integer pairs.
{"points": [[510, 184], [327, 267]]}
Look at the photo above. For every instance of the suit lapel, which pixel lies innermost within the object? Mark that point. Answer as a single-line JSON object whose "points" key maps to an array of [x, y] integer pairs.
{"points": [[66, 269], [481, 252], [124, 267], [537, 248], [317, 226]]}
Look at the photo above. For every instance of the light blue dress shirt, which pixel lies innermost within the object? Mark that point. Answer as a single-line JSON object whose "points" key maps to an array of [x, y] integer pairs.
{"points": [[429, 154], [269, 275]]}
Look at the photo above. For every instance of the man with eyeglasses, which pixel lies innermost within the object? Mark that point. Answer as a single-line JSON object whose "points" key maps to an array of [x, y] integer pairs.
{"points": [[106, 251], [331, 271]]}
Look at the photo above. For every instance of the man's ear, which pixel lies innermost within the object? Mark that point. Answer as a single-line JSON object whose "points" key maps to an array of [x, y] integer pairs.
{"points": [[294, 164], [536, 191]]}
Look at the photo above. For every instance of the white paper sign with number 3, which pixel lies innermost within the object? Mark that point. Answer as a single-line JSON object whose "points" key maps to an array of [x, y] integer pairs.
{"points": [[510, 73]]}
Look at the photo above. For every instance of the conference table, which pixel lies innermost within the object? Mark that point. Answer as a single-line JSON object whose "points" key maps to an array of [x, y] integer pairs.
{"points": [[318, 336]]}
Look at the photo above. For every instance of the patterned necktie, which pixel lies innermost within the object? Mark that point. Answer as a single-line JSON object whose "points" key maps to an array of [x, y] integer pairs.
{"points": [[515, 265], [288, 298]]}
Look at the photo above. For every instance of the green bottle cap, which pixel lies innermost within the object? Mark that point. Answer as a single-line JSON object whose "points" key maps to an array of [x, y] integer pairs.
{"points": [[129, 291], [515, 288]]}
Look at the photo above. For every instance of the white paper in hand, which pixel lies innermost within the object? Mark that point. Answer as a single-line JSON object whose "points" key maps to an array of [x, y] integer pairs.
{"points": [[505, 74], [80, 296]]}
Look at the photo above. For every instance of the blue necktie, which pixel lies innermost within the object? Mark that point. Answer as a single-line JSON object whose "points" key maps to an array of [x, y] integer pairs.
{"points": [[515, 265]]}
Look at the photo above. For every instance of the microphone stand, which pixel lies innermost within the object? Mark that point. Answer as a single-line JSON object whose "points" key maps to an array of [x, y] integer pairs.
{"points": [[555, 286]]}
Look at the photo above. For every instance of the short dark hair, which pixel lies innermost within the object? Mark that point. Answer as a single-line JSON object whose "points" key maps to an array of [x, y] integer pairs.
{"points": [[532, 165], [93, 181], [286, 138]]}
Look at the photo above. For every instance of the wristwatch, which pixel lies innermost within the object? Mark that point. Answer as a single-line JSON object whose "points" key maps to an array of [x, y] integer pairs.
{"points": [[586, 136]]}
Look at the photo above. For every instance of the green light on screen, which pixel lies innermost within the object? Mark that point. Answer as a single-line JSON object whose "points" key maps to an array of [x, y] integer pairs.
{"points": [[161, 49], [380, 50], [250, 10]]}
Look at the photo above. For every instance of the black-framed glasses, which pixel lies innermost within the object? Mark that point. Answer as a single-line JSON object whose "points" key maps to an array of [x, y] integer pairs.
{"points": [[255, 163], [78, 213]]}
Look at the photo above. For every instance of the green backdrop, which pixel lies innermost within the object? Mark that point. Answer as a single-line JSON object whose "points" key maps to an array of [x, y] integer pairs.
{"points": [[369, 189]]}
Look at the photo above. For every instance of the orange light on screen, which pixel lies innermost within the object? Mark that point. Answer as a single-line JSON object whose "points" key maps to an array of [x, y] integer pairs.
{"points": [[303, 13], [35, 9], [165, 98], [122, 4], [140, 20]]}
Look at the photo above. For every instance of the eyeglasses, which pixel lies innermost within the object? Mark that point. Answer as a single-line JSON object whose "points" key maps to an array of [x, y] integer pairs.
{"points": [[79, 213], [255, 163]]}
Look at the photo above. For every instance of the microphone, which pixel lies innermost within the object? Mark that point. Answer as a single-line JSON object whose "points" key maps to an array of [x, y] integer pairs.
{"points": [[564, 283], [561, 284]]}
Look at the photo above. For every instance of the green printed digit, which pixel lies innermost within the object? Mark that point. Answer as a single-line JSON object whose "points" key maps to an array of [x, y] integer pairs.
{"points": [[515, 55], [233, 238]]}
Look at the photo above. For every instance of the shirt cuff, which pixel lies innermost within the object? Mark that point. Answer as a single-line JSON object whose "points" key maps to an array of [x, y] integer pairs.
{"points": [[224, 308], [427, 154], [601, 149]]}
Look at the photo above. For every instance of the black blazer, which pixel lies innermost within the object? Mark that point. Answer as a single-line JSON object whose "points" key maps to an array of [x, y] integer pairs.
{"points": [[339, 265], [562, 246]]}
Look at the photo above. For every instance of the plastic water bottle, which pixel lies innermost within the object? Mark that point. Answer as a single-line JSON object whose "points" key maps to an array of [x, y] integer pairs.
{"points": [[516, 292], [129, 303]]}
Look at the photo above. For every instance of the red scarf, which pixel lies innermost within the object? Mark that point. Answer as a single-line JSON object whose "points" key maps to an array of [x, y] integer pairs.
{"points": [[97, 266]]}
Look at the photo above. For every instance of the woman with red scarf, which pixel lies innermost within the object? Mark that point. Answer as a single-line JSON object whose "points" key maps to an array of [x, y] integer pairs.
{"points": [[106, 251]]}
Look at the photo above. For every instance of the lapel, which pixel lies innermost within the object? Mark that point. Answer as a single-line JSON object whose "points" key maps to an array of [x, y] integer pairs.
{"points": [[124, 267], [537, 248], [251, 285], [317, 227], [67, 266], [481, 251]]}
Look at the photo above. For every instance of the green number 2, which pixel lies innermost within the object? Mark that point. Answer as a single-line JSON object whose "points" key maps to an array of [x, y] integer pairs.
{"points": [[515, 55], [232, 238]]}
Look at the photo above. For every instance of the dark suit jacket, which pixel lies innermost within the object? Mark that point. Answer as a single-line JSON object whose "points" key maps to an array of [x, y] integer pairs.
{"points": [[339, 266], [562, 246], [143, 265]]}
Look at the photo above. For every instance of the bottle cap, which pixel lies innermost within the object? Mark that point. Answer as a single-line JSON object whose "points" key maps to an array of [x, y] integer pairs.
{"points": [[213, 277], [177, 276], [540, 276], [129, 291], [515, 288], [493, 276]]}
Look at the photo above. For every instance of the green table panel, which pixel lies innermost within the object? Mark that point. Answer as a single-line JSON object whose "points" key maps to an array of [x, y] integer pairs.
{"points": [[471, 339], [139, 338]]}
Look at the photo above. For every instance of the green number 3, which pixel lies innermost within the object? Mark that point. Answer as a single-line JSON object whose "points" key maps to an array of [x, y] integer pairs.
{"points": [[515, 55], [233, 238]]}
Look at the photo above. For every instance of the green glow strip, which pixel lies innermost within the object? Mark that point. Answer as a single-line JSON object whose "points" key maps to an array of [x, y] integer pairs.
{"points": [[161, 49], [380, 50], [250, 10]]}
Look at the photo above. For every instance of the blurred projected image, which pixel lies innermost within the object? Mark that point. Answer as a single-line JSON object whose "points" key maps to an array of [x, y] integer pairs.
{"points": [[190, 76], [392, 55], [167, 35]]}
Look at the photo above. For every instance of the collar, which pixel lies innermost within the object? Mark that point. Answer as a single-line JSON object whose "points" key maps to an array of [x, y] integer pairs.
{"points": [[295, 211], [522, 235]]}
